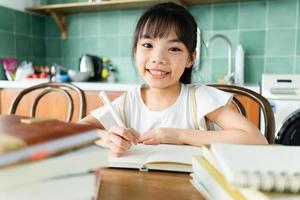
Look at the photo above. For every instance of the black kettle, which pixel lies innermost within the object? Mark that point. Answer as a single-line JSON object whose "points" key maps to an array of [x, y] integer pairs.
{"points": [[92, 64]]}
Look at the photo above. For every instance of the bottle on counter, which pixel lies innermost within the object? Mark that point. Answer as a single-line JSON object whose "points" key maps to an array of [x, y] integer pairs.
{"points": [[112, 75], [109, 72], [104, 72], [239, 65]]}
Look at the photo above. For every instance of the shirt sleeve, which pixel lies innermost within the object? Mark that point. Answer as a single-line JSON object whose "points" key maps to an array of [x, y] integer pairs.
{"points": [[104, 116], [209, 99]]}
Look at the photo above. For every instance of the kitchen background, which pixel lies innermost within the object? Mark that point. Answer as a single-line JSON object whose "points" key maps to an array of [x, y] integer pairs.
{"points": [[267, 29]]}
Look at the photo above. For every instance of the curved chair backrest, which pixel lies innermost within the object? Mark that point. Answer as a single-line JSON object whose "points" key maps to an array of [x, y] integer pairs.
{"points": [[263, 103], [62, 88]]}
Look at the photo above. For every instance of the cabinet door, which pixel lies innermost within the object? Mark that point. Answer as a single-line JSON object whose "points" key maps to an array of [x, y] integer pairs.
{"points": [[252, 109], [53, 104], [7, 96], [94, 101]]}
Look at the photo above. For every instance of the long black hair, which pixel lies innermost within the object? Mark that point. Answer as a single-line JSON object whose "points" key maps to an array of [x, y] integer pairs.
{"points": [[160, 19]]}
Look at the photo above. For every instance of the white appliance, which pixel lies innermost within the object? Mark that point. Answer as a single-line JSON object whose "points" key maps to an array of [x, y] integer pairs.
{"points": [[283, 92]]}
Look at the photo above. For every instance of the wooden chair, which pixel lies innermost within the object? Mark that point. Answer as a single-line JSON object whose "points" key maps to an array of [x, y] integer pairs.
{"points": [[45, 88], [264, 106]]}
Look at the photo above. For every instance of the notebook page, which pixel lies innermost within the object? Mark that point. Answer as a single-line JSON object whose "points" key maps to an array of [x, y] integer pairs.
{"points": [[167, 153], [134, 157]]}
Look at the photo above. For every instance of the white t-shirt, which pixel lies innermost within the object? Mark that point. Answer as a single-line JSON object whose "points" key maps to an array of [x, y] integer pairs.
{"points": [[178, 115]]}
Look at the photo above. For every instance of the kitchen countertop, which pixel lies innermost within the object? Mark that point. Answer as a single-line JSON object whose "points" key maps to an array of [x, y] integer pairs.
{"points": [[86, 86], [91, 86]]}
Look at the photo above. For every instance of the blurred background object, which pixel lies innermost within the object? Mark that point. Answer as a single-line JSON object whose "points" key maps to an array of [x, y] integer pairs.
{"points": [[78, 76]]}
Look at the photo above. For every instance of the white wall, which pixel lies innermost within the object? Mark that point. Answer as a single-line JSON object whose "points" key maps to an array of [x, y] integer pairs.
{"points": [[20, 4]]}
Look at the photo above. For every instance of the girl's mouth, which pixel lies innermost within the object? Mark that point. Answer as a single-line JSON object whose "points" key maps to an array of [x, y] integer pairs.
{"points": [[158, 74]]}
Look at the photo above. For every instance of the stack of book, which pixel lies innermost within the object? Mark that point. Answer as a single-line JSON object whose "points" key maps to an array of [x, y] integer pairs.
{"points": [[28, 139], [247, 172], [66, 187]]}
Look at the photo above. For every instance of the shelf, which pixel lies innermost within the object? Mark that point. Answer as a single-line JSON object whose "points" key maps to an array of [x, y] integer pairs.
{"points": [[59, 11], [68, 8], [195, 2]]}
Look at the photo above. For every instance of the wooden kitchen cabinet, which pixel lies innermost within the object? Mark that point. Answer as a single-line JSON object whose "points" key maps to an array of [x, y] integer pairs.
{"points": [[252, 109], [54, 104]]}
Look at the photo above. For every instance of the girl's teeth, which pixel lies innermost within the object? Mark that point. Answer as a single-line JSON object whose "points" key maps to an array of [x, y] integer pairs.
{"points": [[156, 72]]}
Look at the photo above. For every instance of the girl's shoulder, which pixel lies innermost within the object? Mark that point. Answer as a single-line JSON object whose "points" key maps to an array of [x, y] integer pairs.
{"points": [[210, 97], [205, 91]]}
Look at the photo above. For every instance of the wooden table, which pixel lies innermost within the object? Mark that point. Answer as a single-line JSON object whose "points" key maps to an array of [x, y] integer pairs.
{"points": [[121, 184]]}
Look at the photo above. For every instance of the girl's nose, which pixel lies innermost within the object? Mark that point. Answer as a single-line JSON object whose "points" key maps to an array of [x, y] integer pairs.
{"points": [[158, 57]]}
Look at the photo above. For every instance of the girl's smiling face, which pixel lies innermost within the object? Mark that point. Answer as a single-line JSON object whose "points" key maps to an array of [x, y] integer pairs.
{"points": [[162, 61]]}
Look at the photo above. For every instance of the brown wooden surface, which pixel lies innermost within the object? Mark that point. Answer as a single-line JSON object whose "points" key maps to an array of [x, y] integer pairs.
{"points": [[122, 184]]}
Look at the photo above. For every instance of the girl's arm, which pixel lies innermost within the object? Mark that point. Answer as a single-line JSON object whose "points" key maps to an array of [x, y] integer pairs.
{"points": [[236, 129]]}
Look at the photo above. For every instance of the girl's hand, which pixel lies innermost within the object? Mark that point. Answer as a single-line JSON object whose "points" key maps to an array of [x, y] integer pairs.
{"points": [[161, 136], [118, 140]]}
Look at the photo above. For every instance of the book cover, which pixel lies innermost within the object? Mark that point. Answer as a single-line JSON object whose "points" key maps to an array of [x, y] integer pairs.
{"points": [[34, 141], [205, 174], [157, 157], [80, 161], [75, 186]]}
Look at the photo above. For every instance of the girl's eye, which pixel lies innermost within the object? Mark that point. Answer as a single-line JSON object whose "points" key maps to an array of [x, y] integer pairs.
{"points": [[175, 49], [147, 45]]}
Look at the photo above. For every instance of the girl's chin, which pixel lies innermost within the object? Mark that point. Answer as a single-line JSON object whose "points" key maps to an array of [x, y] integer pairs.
{"points": [[157, 79], [158, 84]]}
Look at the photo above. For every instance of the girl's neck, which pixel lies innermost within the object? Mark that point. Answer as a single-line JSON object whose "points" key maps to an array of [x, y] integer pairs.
{"points": [[157, 99]]}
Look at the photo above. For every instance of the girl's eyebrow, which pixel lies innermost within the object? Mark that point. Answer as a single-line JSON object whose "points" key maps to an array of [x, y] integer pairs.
{"points": [[174, 40], [146, 36]]}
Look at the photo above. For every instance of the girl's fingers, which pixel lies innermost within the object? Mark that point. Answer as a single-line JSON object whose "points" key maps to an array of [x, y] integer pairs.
{"points": [[109, 137], [127, 135], [119, 141], [115, 150], [135, 135]]}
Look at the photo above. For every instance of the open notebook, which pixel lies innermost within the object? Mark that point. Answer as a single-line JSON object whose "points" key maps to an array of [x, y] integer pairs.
{"points": [[265, 167], [157, 157]]}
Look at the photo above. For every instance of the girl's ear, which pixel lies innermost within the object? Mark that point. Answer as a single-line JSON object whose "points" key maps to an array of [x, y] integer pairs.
{"points": [[191, 60]]}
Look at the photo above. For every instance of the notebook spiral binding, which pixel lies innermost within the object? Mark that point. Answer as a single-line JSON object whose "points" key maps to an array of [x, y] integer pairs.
{"points": [[283, 182]]}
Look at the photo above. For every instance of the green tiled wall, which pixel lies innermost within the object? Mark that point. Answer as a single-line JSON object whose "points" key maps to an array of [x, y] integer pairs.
{"points": [[267, 29], [22, 35], [107, 33]]}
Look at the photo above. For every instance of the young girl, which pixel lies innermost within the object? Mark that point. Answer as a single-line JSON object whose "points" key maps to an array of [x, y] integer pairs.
{"points": [[166, 109]]}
